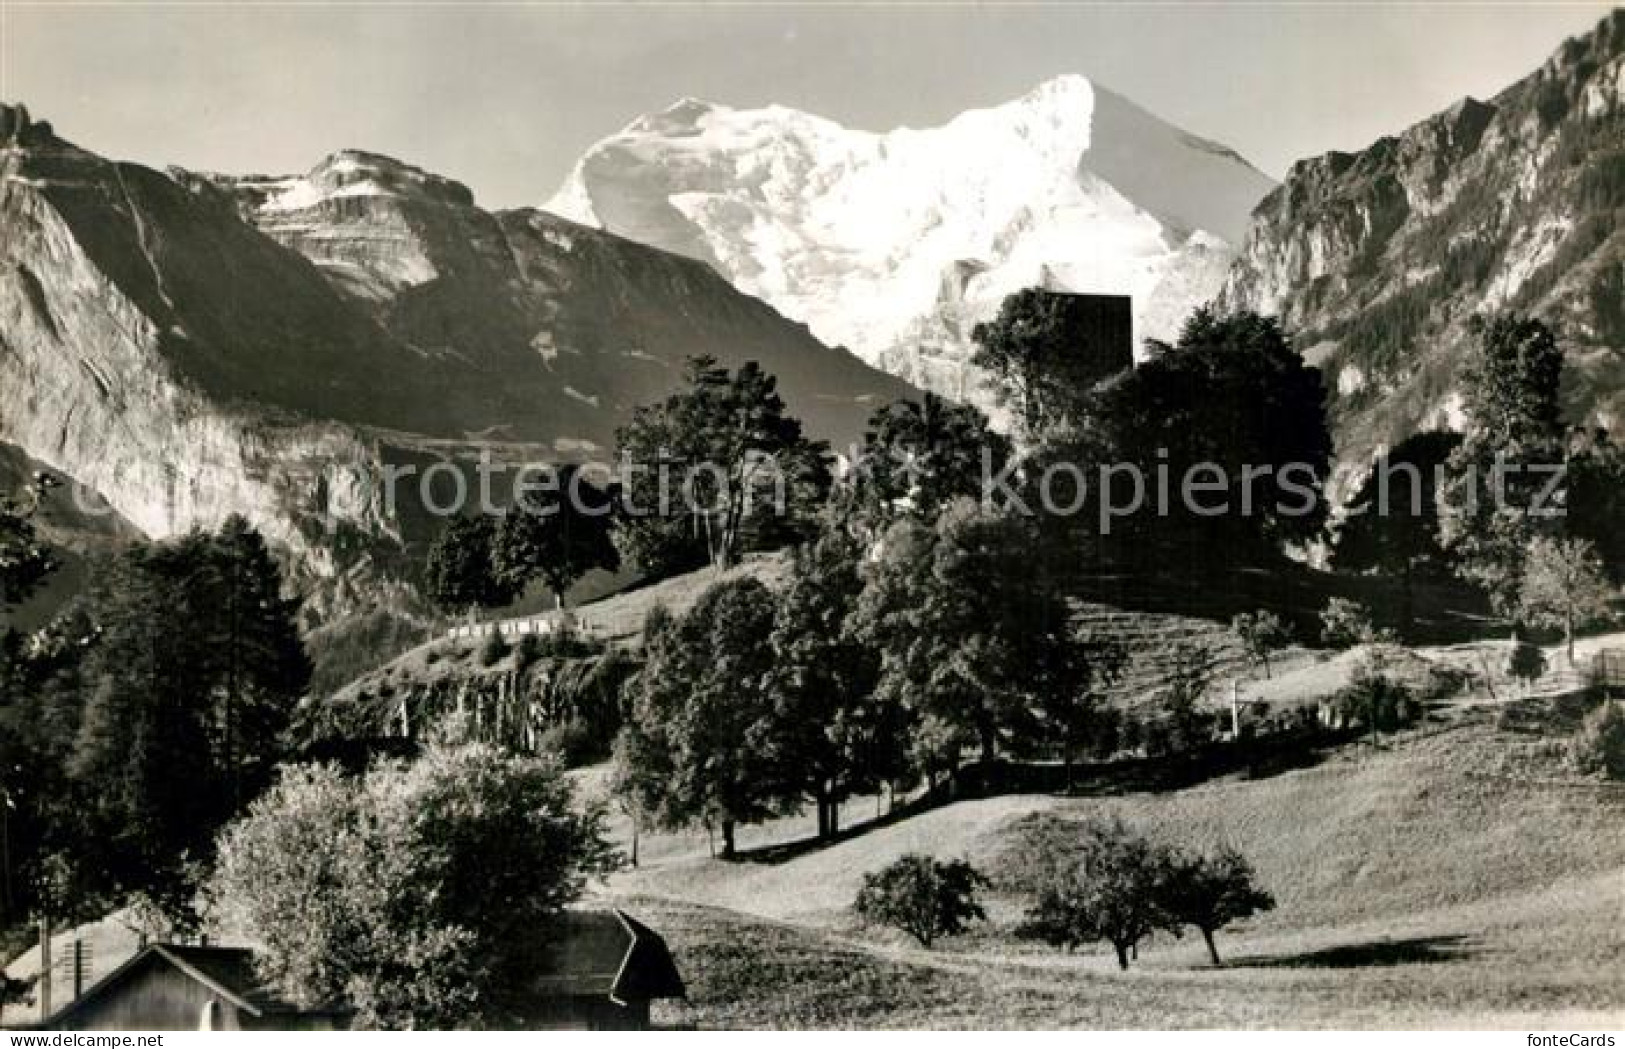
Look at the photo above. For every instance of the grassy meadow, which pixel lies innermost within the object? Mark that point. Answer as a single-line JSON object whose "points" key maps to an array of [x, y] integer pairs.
{"points": [[1454, 876]]}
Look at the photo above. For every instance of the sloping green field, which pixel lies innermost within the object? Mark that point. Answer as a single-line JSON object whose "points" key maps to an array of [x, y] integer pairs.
{"points": [[1448, 879]]}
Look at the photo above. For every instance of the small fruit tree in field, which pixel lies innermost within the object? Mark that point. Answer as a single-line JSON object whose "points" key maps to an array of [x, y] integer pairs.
{"points": [[1110, 893], [1107, 882], [1261, 634], [1209, 891], [924, 897]]}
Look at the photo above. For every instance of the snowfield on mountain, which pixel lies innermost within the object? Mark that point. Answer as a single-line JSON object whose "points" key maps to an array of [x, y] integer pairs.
{"points": [[896, 244]]}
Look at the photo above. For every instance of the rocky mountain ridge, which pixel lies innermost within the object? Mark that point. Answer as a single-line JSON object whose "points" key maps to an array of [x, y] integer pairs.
{"points": [[186, 364], [1381, 259]]}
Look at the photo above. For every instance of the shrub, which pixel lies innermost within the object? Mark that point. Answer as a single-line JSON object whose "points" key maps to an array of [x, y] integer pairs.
{"points": [[1599, 746], [1345, 623], [529, 650], [1526, 663], [573, 741], [494, 649], [1376, 701], [922, 896]]}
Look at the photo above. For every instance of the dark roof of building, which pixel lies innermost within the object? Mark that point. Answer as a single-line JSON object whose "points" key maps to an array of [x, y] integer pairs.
{"points": [[228, 971], [606, 954]]}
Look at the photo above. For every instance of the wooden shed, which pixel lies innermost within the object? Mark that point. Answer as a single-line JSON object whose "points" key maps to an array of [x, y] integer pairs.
{"points": [[595, 970], [173, 987], [600, 972]]}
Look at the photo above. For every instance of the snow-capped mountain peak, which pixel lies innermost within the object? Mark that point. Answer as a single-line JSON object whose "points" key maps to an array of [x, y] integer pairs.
{"points": [[896, 243]]}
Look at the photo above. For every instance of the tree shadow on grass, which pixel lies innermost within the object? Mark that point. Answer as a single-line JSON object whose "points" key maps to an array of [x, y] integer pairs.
{"points": [[1255, 759], [1371, 954], [783, 852]]}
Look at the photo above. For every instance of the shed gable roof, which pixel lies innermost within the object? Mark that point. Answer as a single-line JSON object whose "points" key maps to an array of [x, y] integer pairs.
{"points": [[606, 954], [227, 971]]}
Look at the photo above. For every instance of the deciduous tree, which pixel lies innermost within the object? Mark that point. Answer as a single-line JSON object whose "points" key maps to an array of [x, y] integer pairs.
{"points": [[700, 729], [1209, 891], [1498, 495], [1393, 524], [557, 536], [415, 894], [1564, 585], [716, 467], [25, 559], [1260, 633], [924, 897], [192, 676]]}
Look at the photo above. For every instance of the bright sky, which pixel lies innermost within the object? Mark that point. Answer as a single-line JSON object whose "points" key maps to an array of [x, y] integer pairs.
{"points": [[504, 97]]}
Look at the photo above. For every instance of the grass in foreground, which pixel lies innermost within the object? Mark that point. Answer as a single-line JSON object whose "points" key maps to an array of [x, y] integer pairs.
{"points": [[1430, 883], [745, 972]]}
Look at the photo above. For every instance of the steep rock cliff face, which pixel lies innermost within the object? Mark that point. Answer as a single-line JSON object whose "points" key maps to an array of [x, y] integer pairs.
{"points": [[173, 358], [514, 701], [578, 326], [1380, 259], [105, 374]]}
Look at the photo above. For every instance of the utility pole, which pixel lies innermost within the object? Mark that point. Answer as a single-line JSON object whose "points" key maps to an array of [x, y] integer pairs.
{"points": [[44, 968], [1235, 708], [6, 806]]}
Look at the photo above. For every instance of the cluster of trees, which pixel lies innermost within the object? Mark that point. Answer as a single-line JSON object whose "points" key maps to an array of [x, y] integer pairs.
{"points": [[556, 535], [876, 664], [1102, 883], [923, 896], [143, 750], [1117, 886], [858, 674], [141, 720], [924, 619], [1519, 506]]}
